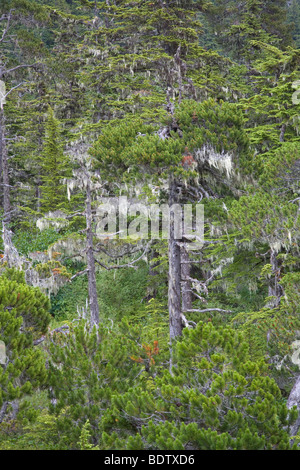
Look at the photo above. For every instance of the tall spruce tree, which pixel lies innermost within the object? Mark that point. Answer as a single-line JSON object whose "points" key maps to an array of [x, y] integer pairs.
{"points": [[54, 168]]}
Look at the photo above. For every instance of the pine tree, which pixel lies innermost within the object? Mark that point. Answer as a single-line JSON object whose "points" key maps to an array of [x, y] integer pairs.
{"points": [[214, 398], [99, 365], [24, 317]]}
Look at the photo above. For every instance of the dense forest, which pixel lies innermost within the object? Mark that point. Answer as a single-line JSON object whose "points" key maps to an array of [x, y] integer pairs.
{"points": [[112, 340]]}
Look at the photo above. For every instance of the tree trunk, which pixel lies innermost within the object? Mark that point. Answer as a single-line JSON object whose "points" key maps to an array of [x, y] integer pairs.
{"points": [[4, 168], [186, 292], [38, 196], [3, 410], [282, 132], [93, 299], [294, 400], [174, 292]]}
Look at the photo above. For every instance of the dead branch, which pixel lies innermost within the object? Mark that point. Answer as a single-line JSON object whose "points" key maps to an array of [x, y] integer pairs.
{"points": [[81, 273], [56, 330], [127, 265], [5, 72], [8, 18], [209, 310]]}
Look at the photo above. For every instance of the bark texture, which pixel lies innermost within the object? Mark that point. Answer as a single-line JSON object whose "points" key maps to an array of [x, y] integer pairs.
{"points": [[294, 400], [186, 292], [4, 168], [93, 299], [174, 291]]}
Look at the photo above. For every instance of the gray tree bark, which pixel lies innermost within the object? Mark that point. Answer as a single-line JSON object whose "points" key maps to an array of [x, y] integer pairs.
{"points": [[174, 291], [93, 299], [3, 410], [294, 400], [4, 168], [186, 292]]}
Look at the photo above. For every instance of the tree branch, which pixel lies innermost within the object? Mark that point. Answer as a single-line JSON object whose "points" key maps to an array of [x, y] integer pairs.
{"points": [[8, 18], [187, 323], [81, 273], [5, 72], [12, 89], [209, 310], [128, 265]]}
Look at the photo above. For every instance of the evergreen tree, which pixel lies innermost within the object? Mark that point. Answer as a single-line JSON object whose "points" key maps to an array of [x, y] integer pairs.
{"points": [[54, 167], [294, 20], [208, 136], [23, 318], [215, 397], [252, 20]]}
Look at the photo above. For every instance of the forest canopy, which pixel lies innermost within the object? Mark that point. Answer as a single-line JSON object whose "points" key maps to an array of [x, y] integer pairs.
{"points": [[124, 118]]}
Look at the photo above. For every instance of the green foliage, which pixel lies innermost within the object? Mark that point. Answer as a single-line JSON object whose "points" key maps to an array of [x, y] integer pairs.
{"points": [[85, 436], [214, 398], [39, 434], [120, 294], [54, 167], [236, 26], [208, 127], [35, 240], [99, 364], [294, 20], [23, 317], [199, 91], [279, 228]]}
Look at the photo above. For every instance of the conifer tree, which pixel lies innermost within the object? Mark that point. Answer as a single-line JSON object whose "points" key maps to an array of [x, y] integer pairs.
{"points": [[214, 398], [212, 135], [136, 55], [24, 317], [99, 365], [293, 17], [14, 66], [54, 167], [252, 20]]}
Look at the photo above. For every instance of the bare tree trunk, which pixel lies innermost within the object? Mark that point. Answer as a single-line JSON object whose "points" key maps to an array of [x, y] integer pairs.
{"points": [[3, 410], [294, 400], [38, 196], [93, 299], [282, 132], [4, 168], [174, 292], [186, 292]]}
